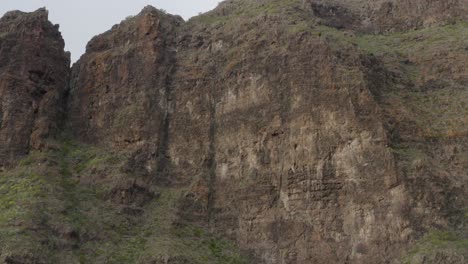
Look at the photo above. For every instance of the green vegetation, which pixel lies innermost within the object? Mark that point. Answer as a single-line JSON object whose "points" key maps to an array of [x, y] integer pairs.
{"points": [[42, 204], [409, 43], [253, 8], [50, 214], [438, 241], [20, 196], [442, 113], [439, 111], [418, 42], [155, 236], [408, 153], [429, 95], [248, 9]]}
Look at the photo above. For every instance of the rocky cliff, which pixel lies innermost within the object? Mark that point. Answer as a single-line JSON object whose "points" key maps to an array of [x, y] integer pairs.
{"points": [[277, 131], [33, 79]]}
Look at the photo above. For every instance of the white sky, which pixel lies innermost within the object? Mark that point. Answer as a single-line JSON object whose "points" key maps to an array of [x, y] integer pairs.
{"points": [[80, 20]]}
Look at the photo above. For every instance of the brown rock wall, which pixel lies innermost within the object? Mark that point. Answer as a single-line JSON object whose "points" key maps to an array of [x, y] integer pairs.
{"points": [[34, 73]]}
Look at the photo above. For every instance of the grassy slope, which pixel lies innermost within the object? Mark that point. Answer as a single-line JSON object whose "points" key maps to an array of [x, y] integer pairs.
{"points": [[438, 112], [48, 216], [434, 243]]}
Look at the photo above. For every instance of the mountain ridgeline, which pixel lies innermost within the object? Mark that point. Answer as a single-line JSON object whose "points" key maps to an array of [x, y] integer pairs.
{"points": [[263, 131]]}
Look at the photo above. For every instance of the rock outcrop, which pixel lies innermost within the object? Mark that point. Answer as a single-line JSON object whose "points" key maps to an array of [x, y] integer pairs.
{"points": [[34, 73], [282, 125], [120, 88]]}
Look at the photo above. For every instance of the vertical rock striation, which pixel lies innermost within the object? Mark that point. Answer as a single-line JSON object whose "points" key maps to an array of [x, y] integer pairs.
{"points": [[34, 73], [288, 152], [120, 88], [120, 92], [277, 131]]}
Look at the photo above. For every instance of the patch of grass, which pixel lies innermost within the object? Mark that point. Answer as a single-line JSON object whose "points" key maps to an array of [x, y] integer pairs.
{"points": [[439, 113], [246, 9], [408, 152], [18, 191], [438, 241], [213, 248], [26, 161], [302, 26], [417, 41], [47, 215], [209, 19], [27, 199], [395, 47]]}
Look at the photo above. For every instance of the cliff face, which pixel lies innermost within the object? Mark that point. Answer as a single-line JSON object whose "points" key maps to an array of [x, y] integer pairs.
{"points": [[293, 127], [282, 125], [121, 95], [33, 78], [292, 150], [120, 88]]}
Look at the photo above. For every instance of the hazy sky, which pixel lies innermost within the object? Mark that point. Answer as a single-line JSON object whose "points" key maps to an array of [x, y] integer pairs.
{"points": [[80, 20]]}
